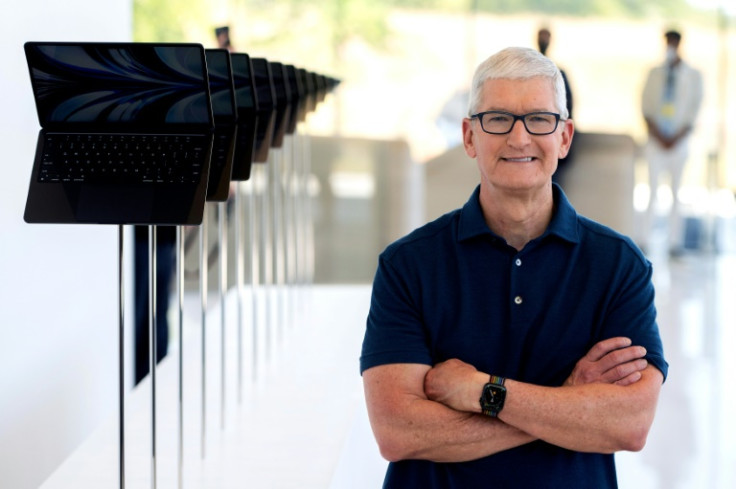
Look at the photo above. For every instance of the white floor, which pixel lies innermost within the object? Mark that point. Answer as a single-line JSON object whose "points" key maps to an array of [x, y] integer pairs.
{"points": [[298, 408]]}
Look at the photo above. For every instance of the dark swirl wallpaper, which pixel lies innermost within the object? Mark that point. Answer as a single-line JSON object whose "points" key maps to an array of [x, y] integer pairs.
{"points": [[221, 83], [141, 85], [264, 83], [243, 77]]}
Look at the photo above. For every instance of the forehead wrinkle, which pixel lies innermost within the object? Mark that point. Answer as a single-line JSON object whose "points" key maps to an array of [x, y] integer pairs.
{"points": [[529, 94]]}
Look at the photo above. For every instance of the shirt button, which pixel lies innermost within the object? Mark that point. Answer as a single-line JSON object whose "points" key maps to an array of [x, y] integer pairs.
{"points": [[518, 300], [518, 262]]}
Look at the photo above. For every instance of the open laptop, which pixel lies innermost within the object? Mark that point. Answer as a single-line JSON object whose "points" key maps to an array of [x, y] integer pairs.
{"points": [[247, 103], [126, 133], [309, 90], [266, 108], [222, 91], [283, 102], [298, 98]]}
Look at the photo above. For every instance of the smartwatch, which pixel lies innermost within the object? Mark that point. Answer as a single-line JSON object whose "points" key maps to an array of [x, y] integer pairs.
{"points": [[493, 396]]}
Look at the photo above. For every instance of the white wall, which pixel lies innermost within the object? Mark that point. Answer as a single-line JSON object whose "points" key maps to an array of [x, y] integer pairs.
{"points": [[58, 284]]}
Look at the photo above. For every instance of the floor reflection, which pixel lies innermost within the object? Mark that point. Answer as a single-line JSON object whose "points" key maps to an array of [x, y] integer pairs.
{"points": [[691, 444]]}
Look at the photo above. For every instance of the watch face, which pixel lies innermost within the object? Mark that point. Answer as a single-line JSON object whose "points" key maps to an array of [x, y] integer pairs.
{"points": [[495, 394], [493, 397]]}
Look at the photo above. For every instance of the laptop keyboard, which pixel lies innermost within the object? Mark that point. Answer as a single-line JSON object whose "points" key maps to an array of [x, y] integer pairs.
{"points": [[122, 158]]}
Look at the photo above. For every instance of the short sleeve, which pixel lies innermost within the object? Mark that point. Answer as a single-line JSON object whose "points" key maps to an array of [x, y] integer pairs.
{"points": [[634, 315], [394, 328]]}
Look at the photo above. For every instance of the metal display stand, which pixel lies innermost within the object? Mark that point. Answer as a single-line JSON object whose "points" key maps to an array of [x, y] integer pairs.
{"points": [[180, 295], [239, 261], [286, 229], [203, 270], [266, 250], [121, 361], [152, 341], [278, 239], [222, 225], [254, 272]]}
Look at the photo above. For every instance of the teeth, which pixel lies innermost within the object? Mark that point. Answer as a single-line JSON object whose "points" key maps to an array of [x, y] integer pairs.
{"points": [[520, 160]]}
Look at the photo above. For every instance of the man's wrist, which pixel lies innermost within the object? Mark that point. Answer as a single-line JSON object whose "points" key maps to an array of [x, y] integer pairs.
{"points": [[493, 396], [479, 381]]}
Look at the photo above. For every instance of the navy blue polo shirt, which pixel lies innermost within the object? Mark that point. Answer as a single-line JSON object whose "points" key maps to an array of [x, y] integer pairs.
{"points": [[454, 289]]}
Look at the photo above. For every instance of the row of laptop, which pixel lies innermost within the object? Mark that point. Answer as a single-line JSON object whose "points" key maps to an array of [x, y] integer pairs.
{"points": [[146, 133]]}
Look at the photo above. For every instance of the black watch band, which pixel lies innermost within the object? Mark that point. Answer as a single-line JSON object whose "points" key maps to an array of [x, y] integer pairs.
{"points": [[493, 396]]}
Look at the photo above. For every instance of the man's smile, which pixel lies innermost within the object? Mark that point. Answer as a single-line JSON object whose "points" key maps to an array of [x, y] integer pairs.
{"points": [[521, 159]]}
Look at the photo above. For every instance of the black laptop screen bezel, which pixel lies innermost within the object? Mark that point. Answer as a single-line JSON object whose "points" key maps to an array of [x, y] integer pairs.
{"points": [[222, 85]]}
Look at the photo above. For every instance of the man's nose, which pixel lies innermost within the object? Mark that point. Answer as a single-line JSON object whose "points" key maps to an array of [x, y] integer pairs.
{"points": [[518, 135]]}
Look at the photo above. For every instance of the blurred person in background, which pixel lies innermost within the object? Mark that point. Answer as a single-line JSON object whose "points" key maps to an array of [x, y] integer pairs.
{"points": [[164, 273], [544, 36], [670, 102], [222, 35]]}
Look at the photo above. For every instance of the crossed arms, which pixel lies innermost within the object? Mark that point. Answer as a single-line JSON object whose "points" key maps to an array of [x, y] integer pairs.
{"points": [[607, 404]]}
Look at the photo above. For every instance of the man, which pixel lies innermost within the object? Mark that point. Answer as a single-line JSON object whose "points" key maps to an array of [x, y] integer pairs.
{"points": [[512, 343], [222, 34], [670, 103]]}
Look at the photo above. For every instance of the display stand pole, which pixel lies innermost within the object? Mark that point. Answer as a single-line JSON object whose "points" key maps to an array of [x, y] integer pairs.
{"points": [[180, 294], [294, 235], [203, 294], [121, 360], [254, 270], [240, 252], [152, 345], [284, 201], [299, 208], [308, 223], [222, 224], [266, 250], [277, 241]]}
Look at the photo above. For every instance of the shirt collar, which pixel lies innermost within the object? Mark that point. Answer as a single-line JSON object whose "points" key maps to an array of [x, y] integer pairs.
{"points": [[563, 224]]}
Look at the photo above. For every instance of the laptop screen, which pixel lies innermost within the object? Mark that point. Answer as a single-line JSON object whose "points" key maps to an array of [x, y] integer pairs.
{"points": [[119, 85], [264, 84], [243, 78], [278, 73], [221, 84]]}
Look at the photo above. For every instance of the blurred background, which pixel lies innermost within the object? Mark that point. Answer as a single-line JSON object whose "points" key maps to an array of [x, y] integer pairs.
{"points": [[405, 67], [385, 157], [403, 62]]}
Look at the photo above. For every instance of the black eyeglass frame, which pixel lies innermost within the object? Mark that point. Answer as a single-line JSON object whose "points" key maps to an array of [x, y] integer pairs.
{"points": [[521, 118]]}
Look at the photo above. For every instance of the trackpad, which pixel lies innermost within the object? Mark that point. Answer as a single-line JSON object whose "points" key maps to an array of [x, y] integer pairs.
{"points": [[115, 204]]}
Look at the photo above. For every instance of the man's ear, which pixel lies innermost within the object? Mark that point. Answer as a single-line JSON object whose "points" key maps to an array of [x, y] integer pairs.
{"points": [[468, 141], [568, 130]]}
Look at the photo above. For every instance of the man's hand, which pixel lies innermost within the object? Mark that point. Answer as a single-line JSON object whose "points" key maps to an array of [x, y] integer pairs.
{"points": [[611, 361], [455, 384]]}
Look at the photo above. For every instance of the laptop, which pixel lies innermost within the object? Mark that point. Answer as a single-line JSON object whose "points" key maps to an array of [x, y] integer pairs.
{"points": [[126, 133], [298, 98], [247, 104], [266, 108], [222, 92], [309, 89], [283, 103]]}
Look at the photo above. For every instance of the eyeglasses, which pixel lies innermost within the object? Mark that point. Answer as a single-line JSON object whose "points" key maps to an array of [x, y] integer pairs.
{"points": [[499, 122]]}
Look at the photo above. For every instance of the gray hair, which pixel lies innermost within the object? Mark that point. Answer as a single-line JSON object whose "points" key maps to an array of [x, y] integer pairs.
{"points": [[516, 63]]}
